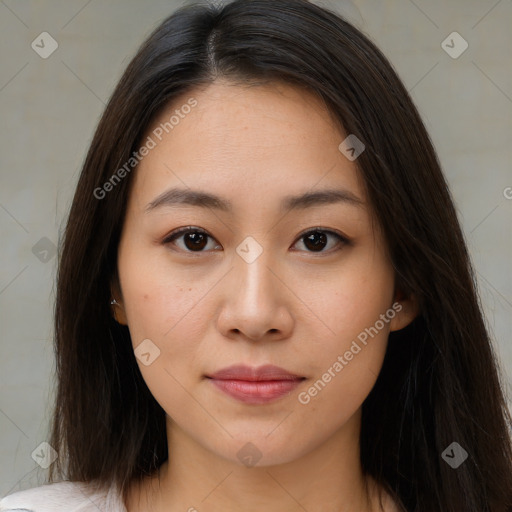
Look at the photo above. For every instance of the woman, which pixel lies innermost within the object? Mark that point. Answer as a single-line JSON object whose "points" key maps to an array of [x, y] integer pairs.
{"points": [[265, 300]]}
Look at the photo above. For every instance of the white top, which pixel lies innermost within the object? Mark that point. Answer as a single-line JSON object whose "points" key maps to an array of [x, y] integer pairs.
{"points": [[63, 497]]}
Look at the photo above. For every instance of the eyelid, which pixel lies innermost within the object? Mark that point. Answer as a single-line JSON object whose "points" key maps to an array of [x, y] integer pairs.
{"points": [[179, 231], [325, 230]]}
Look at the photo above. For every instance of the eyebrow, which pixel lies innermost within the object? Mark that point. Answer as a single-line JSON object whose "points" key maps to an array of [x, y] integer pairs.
{"points": [[198, 198]]}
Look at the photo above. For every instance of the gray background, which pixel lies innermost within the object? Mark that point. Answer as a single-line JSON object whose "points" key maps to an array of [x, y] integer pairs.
{"points": [[50, 108]]}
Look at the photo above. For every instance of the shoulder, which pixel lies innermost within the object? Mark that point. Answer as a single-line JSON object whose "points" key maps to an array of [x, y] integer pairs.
{"points": [[58, 497]]}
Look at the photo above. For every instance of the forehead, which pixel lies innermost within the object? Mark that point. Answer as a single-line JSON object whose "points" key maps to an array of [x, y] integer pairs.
{"points": [[263, 141]]}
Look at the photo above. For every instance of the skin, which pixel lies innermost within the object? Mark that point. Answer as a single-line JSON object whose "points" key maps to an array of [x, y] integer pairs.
{"points": [[293, 306]]}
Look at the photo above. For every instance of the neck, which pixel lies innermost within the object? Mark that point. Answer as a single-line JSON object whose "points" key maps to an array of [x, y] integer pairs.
{"points": [[328, 478]]}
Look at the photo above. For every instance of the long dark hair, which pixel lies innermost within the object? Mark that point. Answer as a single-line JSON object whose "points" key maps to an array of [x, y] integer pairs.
{"points": [[439, 383]]}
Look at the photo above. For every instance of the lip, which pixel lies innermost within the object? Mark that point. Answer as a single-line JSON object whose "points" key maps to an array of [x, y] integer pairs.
{"points": [[255, 385]]}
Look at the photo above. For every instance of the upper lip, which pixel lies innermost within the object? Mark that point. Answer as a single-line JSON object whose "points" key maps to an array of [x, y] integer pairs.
{"points": [[248, 373]]}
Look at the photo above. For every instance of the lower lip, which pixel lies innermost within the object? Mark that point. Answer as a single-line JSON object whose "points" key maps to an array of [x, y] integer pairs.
{"points": [[259, 392]]}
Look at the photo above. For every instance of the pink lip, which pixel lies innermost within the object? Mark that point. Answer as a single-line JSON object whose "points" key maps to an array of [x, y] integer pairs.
{"points": [[255, 385]]}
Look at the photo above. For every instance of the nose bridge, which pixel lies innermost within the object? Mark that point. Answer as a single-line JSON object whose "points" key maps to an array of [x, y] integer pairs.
{"points": [[253, 302], [254, 280]]}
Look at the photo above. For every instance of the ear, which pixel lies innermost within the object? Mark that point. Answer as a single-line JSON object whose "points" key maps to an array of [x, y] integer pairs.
{"points": [[406, 308], [117, 309]]}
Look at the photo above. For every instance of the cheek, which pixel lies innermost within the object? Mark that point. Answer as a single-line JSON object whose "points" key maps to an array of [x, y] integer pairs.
{"points": [[355, 310], [343, 374], [351, 299], [161, 302], [173, 309], [167, 310]]}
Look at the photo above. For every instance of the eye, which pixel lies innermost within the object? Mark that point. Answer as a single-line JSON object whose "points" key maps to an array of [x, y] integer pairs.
{"points": [[315, 240], [196, 239]]}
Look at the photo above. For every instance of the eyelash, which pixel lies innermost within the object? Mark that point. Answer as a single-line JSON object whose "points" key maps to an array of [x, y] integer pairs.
{"points": [[342, 240]]}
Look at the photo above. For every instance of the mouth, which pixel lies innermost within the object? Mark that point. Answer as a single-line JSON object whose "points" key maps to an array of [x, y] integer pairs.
{"points": [[253, 385]]}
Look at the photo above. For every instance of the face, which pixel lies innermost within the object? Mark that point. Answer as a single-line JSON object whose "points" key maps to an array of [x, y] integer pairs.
{"points": [[254, 278]]}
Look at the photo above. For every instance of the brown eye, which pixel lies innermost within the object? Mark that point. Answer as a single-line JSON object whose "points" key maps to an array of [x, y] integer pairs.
{"points": [[194, 239], [316, 240]]}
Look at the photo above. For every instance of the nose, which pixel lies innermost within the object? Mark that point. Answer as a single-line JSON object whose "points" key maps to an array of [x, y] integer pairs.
{"points": [[255, 301]]}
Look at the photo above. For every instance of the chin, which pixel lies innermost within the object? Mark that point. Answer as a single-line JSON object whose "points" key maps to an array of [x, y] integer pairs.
{"points": [[260, 451]]}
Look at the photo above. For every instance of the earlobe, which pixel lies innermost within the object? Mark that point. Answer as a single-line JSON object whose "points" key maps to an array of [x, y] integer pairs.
{"points": [[116, 305], [118, 312], [406, 308]]}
